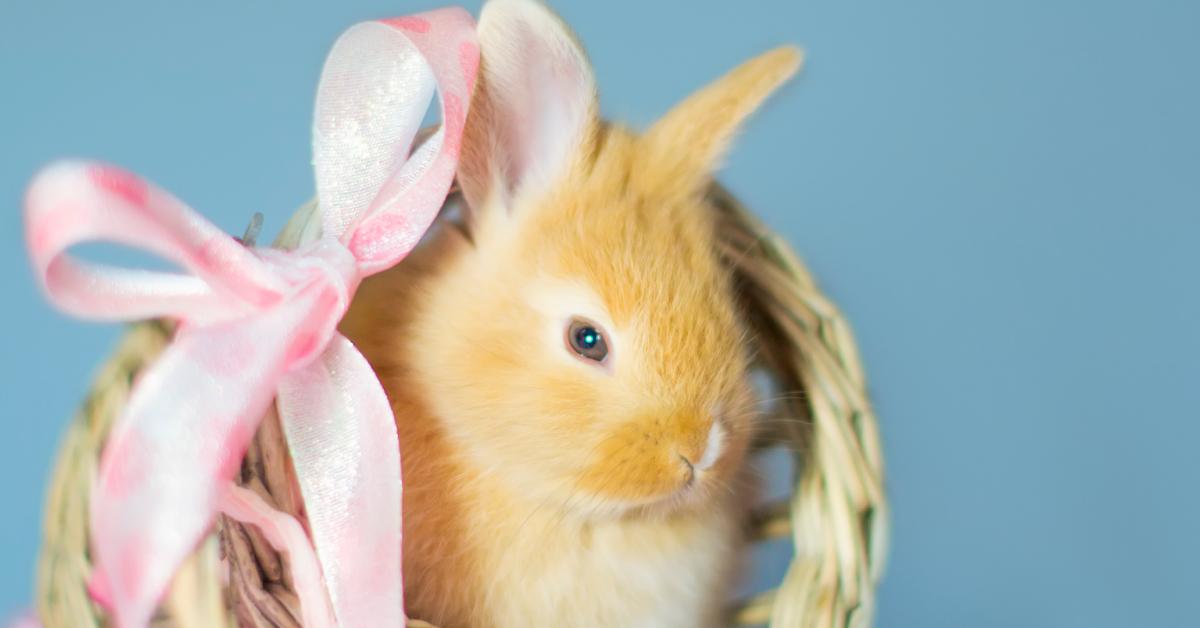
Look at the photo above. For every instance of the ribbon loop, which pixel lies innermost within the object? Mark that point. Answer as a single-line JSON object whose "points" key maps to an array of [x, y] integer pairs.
{"points": [[356, 149], [375, 195], [262, 323], [73, 202]]}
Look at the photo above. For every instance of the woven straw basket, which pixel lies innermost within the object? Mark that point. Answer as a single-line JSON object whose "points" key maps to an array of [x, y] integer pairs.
{"points": [[836, 516]]}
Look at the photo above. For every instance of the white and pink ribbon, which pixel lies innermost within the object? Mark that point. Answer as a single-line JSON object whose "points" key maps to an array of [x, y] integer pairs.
{"points": [[257, 325]]}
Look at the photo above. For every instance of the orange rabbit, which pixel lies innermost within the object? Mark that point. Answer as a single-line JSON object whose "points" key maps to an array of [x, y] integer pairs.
{"points": [[567, 364]]}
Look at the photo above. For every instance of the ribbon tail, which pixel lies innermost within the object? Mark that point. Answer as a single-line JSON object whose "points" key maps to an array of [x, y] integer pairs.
{"points": [[345, 450], [180, 439]]}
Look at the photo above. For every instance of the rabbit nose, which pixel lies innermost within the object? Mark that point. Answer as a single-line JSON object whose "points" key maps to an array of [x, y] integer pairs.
{"points": [[691, 469], [704, 458]]}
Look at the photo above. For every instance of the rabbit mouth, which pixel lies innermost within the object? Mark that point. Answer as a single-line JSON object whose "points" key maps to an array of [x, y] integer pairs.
{"points": [[690, 495], [691, 492]]}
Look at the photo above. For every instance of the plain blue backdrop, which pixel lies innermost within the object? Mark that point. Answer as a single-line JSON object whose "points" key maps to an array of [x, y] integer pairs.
{"points": [[1003, 196]]}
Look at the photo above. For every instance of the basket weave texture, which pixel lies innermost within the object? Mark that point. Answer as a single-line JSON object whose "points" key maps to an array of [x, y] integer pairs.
{"points": [[836, 516]]}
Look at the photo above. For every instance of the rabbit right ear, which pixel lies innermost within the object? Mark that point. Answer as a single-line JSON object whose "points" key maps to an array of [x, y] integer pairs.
{"points": [[534, 104]]}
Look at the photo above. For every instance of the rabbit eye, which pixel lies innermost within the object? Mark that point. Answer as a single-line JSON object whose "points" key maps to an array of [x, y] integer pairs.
{"points": [[586, 340]]}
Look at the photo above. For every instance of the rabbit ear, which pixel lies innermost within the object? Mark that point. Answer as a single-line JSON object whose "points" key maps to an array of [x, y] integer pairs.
{"points": [[534, 103], [691, 139]]}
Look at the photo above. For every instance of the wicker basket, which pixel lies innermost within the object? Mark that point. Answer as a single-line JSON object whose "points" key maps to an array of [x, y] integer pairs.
{"points": [[836, 516]]}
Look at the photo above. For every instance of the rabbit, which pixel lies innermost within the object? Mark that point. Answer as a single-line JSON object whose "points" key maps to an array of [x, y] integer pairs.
{"points": [[566, 359]]}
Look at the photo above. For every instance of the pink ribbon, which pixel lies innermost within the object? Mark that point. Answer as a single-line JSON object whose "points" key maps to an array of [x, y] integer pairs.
{"points": [[258, 325]]}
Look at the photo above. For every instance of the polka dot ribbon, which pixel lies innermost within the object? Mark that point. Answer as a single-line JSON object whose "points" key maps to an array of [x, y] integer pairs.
{"points": [[257, 325]]}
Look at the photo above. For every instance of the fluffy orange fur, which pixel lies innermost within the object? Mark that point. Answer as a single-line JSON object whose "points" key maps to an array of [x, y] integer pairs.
{"points": [[540, 488]]}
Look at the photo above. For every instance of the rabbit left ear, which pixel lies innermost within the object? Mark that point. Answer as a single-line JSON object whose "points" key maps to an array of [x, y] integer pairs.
{"points": [[690, 140], [534, 103]]}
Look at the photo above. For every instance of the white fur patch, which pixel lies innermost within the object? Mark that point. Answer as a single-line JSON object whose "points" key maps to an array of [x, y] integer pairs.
{"points": [[712, 448]]}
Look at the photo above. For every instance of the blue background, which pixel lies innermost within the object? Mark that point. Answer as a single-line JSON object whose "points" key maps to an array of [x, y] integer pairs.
{"points": [[1004, 197]]}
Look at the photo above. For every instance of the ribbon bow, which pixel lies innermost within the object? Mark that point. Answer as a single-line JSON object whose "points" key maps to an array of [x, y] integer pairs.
{"points": [[258, 325]]}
